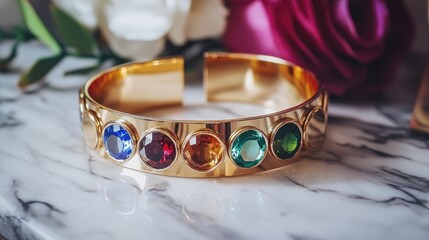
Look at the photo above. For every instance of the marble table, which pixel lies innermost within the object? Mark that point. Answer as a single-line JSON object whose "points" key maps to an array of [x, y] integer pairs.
{"points": [[370, 181]]}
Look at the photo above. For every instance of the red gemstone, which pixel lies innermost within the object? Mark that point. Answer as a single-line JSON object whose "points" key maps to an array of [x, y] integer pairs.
{"points": [[157, 150]]}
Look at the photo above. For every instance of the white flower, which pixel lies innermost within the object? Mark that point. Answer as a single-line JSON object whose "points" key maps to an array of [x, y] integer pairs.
{"points": [[206, 19], [83, 10], [138, 29]]}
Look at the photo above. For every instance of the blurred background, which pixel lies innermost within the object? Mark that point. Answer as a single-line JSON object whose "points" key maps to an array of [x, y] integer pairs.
{"points": [[372, 49]]}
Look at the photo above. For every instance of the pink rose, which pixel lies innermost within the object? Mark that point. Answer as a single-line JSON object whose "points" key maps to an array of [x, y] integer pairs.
{"points": [[353, 46]]}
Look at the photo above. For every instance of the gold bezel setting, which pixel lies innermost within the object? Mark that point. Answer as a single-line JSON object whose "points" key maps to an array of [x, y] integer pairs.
{"points": [[305, 121], [96, 125], [82, 106]]}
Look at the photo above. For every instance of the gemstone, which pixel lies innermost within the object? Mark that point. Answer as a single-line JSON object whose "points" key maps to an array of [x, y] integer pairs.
{"points": [[203, 152], [249, 148], [157, 150], [287, 141], [118, 141]]}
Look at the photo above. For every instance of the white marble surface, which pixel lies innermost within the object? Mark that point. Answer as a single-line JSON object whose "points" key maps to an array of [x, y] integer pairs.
{"points": [[370, 181]]}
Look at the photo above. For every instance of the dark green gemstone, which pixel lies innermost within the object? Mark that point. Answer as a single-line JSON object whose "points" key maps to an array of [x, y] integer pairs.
{"points": [[248, 149], [287, 141]]}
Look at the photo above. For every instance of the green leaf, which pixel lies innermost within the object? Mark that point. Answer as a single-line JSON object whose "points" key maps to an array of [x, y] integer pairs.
{"points": [[73, 33], [85, 70], [36, 26], [39, 69], [22, 33], [12, 53]]}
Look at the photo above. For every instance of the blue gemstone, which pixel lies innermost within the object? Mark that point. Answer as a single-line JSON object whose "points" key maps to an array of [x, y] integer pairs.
{"points": [[118, 142]]}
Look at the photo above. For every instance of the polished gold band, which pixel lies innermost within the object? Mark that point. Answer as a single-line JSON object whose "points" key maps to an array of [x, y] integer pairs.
{"points": [[114, 102]]}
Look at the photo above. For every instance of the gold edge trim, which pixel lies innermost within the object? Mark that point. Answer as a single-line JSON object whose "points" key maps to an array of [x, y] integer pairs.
{"points": [[305, 120], [82, 101], [95, 119]]}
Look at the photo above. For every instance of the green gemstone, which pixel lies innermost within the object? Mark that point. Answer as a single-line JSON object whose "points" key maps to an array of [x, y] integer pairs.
{"points": [[287, 141], [248, 149]]}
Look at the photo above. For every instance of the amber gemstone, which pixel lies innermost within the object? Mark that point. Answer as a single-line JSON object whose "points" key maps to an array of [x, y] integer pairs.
{"points": [[203, 152]]}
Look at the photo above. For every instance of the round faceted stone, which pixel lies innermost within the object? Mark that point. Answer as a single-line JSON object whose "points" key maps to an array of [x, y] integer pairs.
{"points": [[157, 150], [203, 152], [117, 141], [287, 141], [248, 149]]}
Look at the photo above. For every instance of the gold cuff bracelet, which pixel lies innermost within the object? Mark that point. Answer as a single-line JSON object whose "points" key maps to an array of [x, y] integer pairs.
{"points": [[113, 105]]}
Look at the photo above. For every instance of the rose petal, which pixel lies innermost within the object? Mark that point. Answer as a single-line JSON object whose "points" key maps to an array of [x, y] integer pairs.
{"points": [[353, 46], [248, 29], [358, 29]]}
